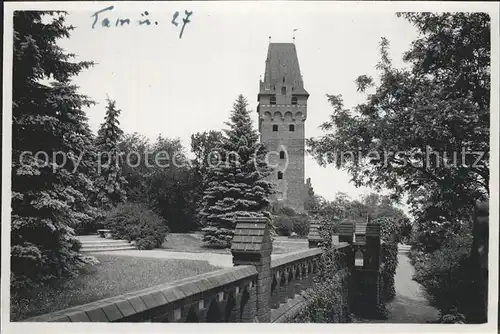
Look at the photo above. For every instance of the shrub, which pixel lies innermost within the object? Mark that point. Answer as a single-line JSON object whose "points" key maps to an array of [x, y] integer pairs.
{"points": [[146, 244], [447, 277], [287, 221], [283, 225], [136, 222]]}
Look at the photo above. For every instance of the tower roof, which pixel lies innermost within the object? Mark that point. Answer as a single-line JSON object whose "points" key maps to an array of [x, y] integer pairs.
{"points": [[282, 62]]}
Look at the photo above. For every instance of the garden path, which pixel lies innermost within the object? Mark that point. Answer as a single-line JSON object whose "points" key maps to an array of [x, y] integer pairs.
{"points": [[410, 304]]}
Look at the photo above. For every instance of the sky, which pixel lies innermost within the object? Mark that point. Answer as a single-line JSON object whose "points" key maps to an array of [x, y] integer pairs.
{"points": [[176, 86]]}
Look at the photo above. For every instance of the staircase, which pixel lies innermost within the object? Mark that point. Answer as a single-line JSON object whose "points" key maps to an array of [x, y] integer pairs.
{"points": [[403, 249], [94, 243]]}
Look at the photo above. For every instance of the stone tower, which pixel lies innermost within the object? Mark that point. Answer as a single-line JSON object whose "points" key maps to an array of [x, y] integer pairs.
{"points": [[282, 113]]}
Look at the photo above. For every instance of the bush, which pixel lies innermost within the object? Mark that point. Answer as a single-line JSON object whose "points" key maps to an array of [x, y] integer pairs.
{"points": [[136, 222], [283, 225], [287, 221], [447, 277], [145, 244]]}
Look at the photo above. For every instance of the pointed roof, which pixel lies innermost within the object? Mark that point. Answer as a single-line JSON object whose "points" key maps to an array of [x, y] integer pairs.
{"points": [[282, 62]]}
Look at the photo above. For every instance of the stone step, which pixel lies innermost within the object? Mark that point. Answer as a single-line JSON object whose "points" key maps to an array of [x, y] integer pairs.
{"points": [[107, 249], [123, 244], [103, 242]]}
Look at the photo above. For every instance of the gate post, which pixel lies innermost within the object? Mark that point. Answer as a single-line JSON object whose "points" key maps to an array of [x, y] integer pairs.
{"points": [[252, 245]]}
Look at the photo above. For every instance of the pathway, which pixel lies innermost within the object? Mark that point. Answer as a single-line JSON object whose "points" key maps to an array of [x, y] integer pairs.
{"points": [[410, 304]]}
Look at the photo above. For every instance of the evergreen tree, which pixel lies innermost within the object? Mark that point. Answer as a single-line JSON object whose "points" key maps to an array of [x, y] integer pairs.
{"points": [[50, 185], [110, 181], [236, 185]]}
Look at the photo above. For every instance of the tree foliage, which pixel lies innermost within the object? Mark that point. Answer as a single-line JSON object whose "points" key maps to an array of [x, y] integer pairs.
{"points": [[236, 185], [135, 148], [410, 129], [172, 184], [424, 130], [110, 181], [50, 190]]}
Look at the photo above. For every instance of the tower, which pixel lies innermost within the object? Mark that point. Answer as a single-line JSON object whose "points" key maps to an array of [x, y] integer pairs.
{"points": [[282, 113]]}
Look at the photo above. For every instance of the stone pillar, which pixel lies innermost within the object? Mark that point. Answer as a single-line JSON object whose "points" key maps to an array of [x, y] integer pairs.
{"points": [[346, 231], [252, 245], [313, 237], [373, 246]]}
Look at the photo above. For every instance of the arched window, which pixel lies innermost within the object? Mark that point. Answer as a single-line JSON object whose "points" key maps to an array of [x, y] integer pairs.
{"points": [[294, 100], [282, 155], [275, 128], [283, 90], [280, 175], [273, 100], [359, 259], [291, 127]]}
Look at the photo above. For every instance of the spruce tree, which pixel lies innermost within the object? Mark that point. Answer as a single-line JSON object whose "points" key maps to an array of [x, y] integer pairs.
{"points": [[236, 185], [50, 133], [110, 181]]}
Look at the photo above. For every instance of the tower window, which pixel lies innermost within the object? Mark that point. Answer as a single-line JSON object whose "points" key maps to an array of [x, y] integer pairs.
{"points": [[273, 100], [275, 128], [291, 127], [294, 100], [283, 90], [359, 259], [282, 155], [280, 175]]}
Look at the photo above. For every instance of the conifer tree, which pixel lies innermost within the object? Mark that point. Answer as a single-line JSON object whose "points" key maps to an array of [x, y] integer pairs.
{"points": [[110, 181], [236, 184], [52, 152]]}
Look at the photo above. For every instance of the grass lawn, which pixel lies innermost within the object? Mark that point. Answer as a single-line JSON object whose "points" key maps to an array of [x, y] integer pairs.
{"points": [[191, 242], [115, 275]]}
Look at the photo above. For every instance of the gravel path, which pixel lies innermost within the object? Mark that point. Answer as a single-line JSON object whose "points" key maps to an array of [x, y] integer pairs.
{"points": [[410, 304]]}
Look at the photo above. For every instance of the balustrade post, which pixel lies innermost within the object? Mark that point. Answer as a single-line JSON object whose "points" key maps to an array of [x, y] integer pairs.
{"points": [[251, 245], [313, 237]]}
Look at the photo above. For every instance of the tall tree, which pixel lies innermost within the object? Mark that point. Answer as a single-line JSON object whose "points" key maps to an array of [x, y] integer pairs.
{"points": [[110, 181], [135, 148], [423, 128], [205, 147], [425, 132], [172, 185], [52, 151], [236, 185]]}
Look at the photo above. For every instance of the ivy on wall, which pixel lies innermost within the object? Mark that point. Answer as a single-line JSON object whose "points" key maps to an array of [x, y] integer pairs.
{"points": [[328, 300], [389, 253]]}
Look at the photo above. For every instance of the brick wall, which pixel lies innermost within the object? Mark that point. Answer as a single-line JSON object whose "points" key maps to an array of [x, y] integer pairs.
{"points": [[284, 114]]}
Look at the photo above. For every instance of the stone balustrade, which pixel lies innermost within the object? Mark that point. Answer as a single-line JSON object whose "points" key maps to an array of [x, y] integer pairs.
{"points": [[226, 295], [256, 289], [292, 275]]}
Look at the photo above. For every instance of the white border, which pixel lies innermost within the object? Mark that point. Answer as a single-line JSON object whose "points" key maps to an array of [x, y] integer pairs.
{"points": [[8, 327]]}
